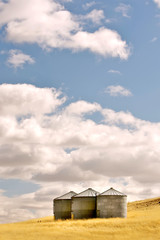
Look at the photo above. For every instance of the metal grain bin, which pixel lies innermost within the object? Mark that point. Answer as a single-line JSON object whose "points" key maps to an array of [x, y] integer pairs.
{"points": [[62, 206], [84, 204], [111, 204]]}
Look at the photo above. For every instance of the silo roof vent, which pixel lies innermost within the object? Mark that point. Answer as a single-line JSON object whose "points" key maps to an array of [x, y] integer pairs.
{"points": [[112, 192], [67, 195], [87, 193]]}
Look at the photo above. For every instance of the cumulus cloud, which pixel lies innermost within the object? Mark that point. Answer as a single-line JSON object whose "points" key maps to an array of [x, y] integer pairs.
{"points": [[66, 150], [23, 99], [96, 16], [101, 162], [17, 58], [123, 9], [118, 91], [82, 107], [157, 2], [125, 118], [96, 42], [50, 25], [11, 211]]}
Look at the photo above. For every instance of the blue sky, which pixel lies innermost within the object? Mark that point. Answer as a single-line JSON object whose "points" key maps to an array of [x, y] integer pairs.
{"points": [[79, 103]]}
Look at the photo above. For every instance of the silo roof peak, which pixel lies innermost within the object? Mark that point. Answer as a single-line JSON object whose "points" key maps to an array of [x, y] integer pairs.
{"points": [[112, 192], [68, 195], [87, 193]]}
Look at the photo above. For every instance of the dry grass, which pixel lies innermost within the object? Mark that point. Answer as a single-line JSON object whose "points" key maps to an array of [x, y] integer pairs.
{"points": [[142, 223]]}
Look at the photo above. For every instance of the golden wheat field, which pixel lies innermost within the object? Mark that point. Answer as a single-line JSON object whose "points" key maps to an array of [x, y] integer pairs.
{"points": [[142, 223]]}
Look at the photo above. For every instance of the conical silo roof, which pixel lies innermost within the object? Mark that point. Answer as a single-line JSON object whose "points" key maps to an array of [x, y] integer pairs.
{"points": [[112, 192], [88, 193], [68, 195]]}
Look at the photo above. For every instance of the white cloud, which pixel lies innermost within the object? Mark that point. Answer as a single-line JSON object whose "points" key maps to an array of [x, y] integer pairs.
{"points": [[157, 2], [122, 118], [96, 16], [118, 91], [23, 99], [114, 71], [96, 42], [123, 9], [66, 150], [17, 58], [82, 107], [48, 24]]}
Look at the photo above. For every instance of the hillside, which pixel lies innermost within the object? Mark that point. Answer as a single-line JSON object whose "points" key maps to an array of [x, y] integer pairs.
{"points": [[142, 223]]}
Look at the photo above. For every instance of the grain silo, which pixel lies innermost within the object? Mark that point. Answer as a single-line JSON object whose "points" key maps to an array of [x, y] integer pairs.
{"points": [[62, 206], [111, 204], [84, 204]]}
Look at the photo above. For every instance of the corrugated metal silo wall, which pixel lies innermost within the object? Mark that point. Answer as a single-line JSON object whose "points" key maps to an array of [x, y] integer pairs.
{"points": [[111, 206], [62, 209], [83, 207]]}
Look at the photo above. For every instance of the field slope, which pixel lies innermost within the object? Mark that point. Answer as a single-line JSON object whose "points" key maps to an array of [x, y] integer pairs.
{"points": [[142, 223]]}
